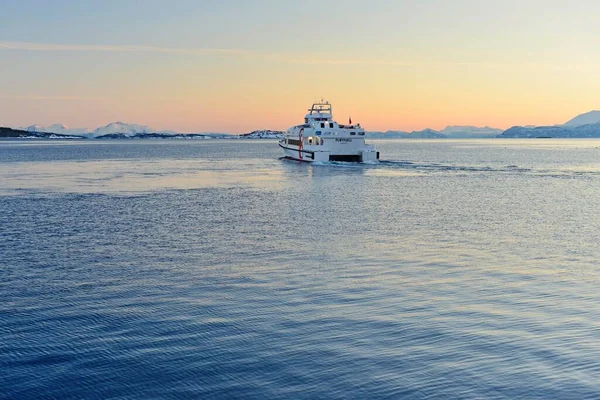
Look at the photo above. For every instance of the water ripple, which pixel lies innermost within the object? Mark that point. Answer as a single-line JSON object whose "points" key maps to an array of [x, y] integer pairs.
{"points": [[216, 270]]}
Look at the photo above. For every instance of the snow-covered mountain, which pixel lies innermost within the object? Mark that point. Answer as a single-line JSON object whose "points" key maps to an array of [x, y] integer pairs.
{"points": [[125, 130], [427, 134], [56, 128], [115, 128], [586, 125], [582, 131], [458, 131], [448, 132], [591, 117], [424, 134], [388, 135], [263, 134], [26, 134]]}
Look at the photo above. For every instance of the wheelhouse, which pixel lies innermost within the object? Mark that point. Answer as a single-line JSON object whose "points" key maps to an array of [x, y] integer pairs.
{"points": [[321, 138]]}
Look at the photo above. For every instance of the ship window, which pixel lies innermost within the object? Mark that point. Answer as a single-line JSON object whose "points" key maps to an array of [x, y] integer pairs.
{"points": [[309, 140], [352, 133], [361, 133], [331, 124], [306, 120], [322, 125]]}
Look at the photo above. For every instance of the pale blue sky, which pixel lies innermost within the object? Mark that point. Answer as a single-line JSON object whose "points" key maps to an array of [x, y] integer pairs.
{"points": [[416, 54]]}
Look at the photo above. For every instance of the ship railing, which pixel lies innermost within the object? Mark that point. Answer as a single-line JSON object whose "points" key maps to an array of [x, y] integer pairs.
{"points": [[321, 109]]}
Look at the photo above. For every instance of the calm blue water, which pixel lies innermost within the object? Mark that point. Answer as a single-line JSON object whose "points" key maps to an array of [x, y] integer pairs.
{"points": [[213, 269]]}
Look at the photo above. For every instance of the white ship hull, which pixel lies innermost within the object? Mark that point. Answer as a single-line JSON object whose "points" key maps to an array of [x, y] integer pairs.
{"points": [[321, 139], [310, 154]]}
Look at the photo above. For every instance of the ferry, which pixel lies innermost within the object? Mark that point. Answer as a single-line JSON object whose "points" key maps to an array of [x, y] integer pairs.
{"points": [[321, 139]]}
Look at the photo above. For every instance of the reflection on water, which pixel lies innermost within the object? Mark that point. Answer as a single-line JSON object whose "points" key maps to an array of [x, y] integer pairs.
{"points": [[214, 269], [129, 176], [125, 167]]}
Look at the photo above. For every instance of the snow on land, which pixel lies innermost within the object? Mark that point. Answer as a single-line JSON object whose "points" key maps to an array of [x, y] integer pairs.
{"points": [[121, 128], [448, 132], [582, 131], [460, 131], [586, 125], [126, 129], [263, 134], [56, 128], [588, 118]]}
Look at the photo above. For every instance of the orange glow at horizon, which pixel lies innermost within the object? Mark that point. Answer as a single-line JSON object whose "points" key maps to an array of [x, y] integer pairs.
{"points": [[436, 68]]}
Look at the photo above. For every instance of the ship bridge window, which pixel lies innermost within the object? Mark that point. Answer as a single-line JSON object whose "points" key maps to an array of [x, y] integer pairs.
{"points": [[352, 133], [322, 125], [306, 120], [361, 133], [331, 124]]}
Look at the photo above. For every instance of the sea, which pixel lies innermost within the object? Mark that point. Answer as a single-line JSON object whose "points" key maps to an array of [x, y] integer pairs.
{"points": [[214, 269]]}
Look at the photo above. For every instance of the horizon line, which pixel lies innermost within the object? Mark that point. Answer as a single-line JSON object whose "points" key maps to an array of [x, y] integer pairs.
{"points": [[85, 130]]}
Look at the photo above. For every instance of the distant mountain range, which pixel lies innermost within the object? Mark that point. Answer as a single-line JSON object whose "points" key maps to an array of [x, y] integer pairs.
{"points": [[121, 130], [23, 134], [452, 132], [56, 128], [588, 118], [458, 131], [583, 131], [582, 126], [586, 125], [115, 128], [29, 134], [263, 134], [127, 130], [151, 135]]}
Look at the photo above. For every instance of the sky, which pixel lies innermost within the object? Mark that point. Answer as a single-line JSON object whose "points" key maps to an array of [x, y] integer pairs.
{"points": [[236, 66]]}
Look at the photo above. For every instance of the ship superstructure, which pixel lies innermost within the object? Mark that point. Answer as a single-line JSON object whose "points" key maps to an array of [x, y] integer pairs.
{"points": [[321, 138]]}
